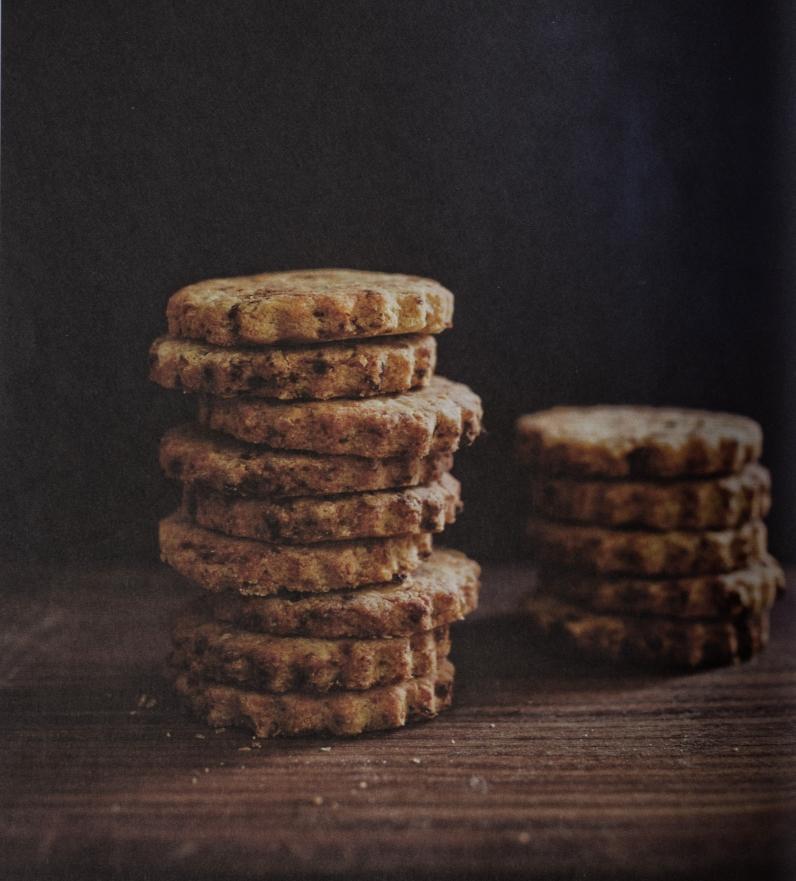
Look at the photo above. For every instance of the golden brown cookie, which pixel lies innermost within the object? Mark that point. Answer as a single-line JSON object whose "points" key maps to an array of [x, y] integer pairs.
{"points": [[752, 589], [333, 370], [195, 455], [413, 424], [338, 713], [443, 589], [669, 642], [262, 662], [219, 562], [311, 519], [713, 503], [308, 305], [613, 441], [637, 552]]}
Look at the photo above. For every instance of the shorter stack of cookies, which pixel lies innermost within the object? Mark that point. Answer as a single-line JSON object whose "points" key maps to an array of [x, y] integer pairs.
{"points": [[313, 480], [647, 527]]}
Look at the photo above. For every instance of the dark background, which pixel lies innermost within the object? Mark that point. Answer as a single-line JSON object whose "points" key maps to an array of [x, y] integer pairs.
{"points": [[606, 188]]}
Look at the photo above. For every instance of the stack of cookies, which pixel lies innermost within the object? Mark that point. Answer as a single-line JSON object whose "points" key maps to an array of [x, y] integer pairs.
{"points": [[647, 529], [314, 477]]}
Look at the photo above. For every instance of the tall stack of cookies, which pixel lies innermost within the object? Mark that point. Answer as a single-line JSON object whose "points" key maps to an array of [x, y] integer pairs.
{"points": [[314, 477], [647, 527]]}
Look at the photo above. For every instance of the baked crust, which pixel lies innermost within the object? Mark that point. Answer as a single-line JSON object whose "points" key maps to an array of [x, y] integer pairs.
{"points": [[310, 305], [752, 589], [220, 562], [262, 662], [714, 503], [307, 520], [333, 370], [657, 641], [615, 441], [419, 423], [339, 713], [637, 552], [443, 589], [195, 455]]}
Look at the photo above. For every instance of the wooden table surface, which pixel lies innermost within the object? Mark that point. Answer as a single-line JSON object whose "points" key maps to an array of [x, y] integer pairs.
{"points": [[548, 767]]}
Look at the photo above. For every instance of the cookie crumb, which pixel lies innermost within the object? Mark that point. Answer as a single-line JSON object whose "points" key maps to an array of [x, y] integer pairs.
{"points": [[317, 800]]}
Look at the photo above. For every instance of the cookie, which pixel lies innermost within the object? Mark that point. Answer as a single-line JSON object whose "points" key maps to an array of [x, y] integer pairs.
{"points": [[752, 589], [338, 713], [413, 424], [195, 455], [613, 441], [334, 370], [309, 305], [311, 519], [443, 589], [219, 562], [657, 641], [637, 552], [264, 662], [713, 503]]}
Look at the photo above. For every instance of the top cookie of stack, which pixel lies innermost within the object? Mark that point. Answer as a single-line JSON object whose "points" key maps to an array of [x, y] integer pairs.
{"points": [[647, 525], [319, 463]]}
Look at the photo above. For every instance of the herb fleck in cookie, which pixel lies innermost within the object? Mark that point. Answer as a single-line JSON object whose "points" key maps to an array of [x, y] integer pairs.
{"points": [[308, 306], [613, 441], [264, 662], [752, 589], [195, 455], [713, 503], [338, 713], [220, 562], [637, 552], [443, 589], [657, 641], [307, 520], [334, 370], [414, 424]]}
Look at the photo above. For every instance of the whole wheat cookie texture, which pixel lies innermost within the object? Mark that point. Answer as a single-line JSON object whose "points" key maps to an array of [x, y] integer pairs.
{"points": [[443, 589], [636, 552], [319, 372], [278, 664], [750, 590], [712, 503], [332, 518], [655, 641], [616, 441], [419, 423], [340, 713], [311, 305], [194, 455], [220, 562]]}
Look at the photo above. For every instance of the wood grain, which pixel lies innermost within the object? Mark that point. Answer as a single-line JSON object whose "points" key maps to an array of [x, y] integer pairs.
{"points": [[548, 767]]}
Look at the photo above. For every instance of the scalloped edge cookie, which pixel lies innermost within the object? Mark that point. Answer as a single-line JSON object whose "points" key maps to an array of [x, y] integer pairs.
{"points": [[418, 423], [334, 370], [309, 305], [220, 562]]}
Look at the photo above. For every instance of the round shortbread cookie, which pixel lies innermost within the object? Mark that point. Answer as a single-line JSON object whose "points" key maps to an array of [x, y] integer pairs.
{"points": [[333, 370], [308, 305], [413, 424], [443, 589], [220, 562], [263, 662], [194, 455], [307, 520], [670, 642], [637, 552], [338, 713], [753, 589], [713, 503], [615, 441]]}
